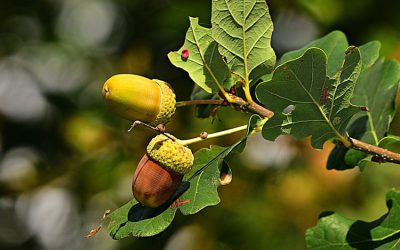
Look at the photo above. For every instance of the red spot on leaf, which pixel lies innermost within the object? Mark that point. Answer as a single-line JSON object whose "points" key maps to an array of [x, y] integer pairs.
{"points": [[324, 95], [185, 54]]}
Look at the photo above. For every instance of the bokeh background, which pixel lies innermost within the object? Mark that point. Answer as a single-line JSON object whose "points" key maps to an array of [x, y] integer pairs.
{"points": [[65, 159]]}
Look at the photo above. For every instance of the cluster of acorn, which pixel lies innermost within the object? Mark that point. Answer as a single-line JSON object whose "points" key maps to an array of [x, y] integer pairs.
{"points": [[161, 169]]}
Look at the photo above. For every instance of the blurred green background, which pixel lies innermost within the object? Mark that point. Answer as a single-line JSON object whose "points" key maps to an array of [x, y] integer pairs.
{"points": [[65, 159]]}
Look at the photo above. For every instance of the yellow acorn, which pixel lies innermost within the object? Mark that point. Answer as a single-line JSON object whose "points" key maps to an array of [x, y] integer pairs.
{"points": [[160, 171], [138, 98]]}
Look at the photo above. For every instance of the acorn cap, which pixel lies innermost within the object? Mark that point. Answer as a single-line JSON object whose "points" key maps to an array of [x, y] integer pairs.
{"points": [[138, 98], [170, 154], [168, 102]]}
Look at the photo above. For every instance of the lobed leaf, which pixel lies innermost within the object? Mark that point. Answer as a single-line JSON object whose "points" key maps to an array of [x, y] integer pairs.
{"points": [[334, 231], [203, 63], [306, 101], [334, 44], [243, 31]]}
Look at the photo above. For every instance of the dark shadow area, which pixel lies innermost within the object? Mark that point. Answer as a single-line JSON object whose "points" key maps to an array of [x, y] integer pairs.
{"points": [[225, 169], [325, 214], [359, 235], [140, 212]]}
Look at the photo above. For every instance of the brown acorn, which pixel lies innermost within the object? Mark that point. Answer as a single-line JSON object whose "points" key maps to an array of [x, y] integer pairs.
{"points": [[138, 98], [160, 171]]}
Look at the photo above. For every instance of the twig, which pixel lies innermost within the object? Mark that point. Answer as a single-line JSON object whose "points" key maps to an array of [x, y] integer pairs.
{"points": [[252, 107], [382, 155], [236, 101], [198, 102]]}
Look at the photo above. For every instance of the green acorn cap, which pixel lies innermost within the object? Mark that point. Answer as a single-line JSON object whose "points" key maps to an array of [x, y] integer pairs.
{"points": [[168, 101], [170, 154]]}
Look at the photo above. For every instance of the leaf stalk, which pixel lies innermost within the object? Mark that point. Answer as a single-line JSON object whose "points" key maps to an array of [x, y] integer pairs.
{"points": [[246, 89]]}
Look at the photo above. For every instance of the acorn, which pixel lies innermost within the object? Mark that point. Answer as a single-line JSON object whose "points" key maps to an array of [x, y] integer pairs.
{"points": [[161, 170], [138, 98]]}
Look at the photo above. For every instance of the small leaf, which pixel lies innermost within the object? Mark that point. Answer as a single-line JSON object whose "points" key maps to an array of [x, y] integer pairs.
{"points": [[199, 56], [243, 31], [337, 232], [120, 225], [322, 107]]}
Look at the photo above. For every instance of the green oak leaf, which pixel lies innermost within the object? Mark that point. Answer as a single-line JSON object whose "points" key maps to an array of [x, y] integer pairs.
{"points": [[308, 103], [205, 181], [376, 89], [204, 63], [120, 226], [243, 31], [337, 232]]}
